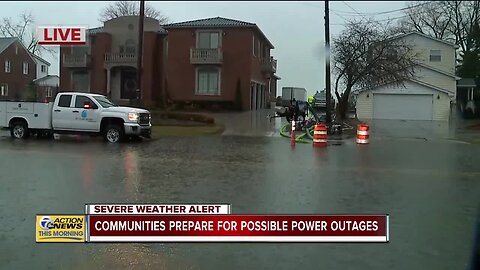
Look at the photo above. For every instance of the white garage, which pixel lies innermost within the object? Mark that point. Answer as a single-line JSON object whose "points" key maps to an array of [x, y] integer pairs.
{"points": [[415, 101], [402, 107]]}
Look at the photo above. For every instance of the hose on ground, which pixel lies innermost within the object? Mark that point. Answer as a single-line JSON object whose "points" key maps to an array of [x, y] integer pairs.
{"points": [[285, 133]]}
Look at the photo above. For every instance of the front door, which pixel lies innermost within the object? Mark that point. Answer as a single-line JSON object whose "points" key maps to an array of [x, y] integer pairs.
{"points": [[86, 119], [128, 83]]}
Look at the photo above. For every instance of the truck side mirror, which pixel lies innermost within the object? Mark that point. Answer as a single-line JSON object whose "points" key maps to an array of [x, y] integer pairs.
{"points": [[87, 105]]}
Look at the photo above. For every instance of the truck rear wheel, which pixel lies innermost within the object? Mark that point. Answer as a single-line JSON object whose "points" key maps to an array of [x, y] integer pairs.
{"points": [[113, 134], [19, 130]]}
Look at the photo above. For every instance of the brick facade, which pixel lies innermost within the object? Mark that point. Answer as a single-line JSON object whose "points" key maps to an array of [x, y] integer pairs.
{"points": [[16, 81]]}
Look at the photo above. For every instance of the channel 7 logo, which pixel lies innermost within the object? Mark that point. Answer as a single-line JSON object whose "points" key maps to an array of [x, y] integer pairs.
{"points": [[46, 223]]}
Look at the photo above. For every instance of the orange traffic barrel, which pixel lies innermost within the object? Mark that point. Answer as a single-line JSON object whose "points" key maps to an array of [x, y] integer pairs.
{"points": [[320, 135], [362, 133]]}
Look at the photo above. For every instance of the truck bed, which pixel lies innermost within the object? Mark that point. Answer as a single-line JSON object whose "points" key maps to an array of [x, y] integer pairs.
{"points": [[37, 114]]}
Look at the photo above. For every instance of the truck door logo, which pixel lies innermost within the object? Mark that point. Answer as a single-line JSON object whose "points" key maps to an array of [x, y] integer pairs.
{"points": [[84, 115]]}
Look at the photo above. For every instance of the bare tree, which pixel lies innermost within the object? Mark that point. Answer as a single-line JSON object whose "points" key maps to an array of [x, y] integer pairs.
{"points": [[447, 20], [130, 8], [431, 18], [24, 30], [365, 56]]}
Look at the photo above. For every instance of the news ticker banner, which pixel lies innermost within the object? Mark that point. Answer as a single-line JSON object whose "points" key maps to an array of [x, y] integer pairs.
{"points": [[205, 223]]}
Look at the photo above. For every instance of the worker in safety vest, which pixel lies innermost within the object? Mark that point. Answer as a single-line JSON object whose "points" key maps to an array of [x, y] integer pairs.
{"points": [[311, 99]]}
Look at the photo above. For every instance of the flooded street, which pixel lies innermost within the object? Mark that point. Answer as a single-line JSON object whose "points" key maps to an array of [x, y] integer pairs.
{"points": [[430, 189]]}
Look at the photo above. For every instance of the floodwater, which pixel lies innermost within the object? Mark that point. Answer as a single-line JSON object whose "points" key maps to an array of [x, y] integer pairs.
{"points": [[430, 189]]}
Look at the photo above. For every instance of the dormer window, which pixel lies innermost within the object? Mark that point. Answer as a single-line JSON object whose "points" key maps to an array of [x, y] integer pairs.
{"points": [[435, 56]]}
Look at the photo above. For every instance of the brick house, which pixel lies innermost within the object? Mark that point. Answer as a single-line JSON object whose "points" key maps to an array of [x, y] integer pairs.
{"points": [[107, 63], [18, 69], [207, 58], [194, 61]]}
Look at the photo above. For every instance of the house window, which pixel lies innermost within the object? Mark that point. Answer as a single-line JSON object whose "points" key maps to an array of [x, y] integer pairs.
{"points": [[49, 92], [208, 81], [4, 89], [25, 68], [208, 40], [435, 56], [16, 49], [254, 47], [7, 66], [43, 68], [130, 46]]}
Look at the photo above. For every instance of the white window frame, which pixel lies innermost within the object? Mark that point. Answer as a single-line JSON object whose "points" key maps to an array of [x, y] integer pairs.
{"points": [[43, 68], [198, 32], [48, 92], [4, 89], [8, 66], [439, 55], [25, 68], [259, 48], [219, 81]]}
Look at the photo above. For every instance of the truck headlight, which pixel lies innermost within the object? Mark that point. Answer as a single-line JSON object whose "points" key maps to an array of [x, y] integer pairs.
{"points": [[133, 116]]}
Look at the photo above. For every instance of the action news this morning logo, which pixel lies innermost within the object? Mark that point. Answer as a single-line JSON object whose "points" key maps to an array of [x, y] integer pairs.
{"points": [[62, 35], [66, 228]]}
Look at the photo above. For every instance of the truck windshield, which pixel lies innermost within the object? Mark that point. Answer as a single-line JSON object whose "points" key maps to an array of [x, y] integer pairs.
{"points": [[104, 101]]}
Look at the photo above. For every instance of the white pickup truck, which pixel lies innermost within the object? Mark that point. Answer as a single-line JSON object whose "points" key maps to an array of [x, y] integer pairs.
{"points": [[74, 113]]}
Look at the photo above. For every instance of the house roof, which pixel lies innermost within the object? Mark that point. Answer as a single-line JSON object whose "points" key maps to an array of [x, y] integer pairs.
{"points": [[40, 80], [426, 36], [40, 59], [466, 82], [216, 22], [93, 31], [45, 78], [438, 70], [210, 22], [5, 42], [414, 81]]}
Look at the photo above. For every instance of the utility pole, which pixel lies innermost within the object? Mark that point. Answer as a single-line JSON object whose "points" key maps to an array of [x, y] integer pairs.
{"points": [[139, 91], [327, 65]]}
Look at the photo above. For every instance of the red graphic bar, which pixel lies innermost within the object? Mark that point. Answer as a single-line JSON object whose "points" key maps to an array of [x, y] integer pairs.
{"points": [[238, 228]]}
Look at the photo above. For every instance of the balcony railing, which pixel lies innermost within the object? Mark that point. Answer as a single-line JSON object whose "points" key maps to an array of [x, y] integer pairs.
{"points": [[120, 58], [76, 61], [269, 65], [206, 56]]}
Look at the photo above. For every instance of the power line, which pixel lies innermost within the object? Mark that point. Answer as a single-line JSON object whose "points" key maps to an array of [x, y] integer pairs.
{"points": [[398, 17], [345, 3], [347, 13], [339, 15]]}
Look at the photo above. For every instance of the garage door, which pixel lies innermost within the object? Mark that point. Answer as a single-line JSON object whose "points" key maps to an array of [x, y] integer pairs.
{"points": [[403, 107]]}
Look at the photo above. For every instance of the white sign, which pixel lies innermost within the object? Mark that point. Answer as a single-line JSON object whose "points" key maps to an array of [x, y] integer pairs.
{"points": [[62, 35]]}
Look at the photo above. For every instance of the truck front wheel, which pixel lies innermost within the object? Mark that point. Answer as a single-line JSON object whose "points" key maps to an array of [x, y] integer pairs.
{"points": [[19, 130], [113, 134]]}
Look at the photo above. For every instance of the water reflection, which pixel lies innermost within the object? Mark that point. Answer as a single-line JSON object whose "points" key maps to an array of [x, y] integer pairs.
{"points": [[87, 171], [131, 172]]}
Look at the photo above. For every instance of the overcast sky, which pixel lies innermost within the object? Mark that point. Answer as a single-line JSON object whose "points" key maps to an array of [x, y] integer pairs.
{"points": [[296, 29]]}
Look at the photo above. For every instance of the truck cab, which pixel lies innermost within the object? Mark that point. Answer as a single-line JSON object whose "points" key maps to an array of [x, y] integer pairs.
{"points": [[79, 113]]}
